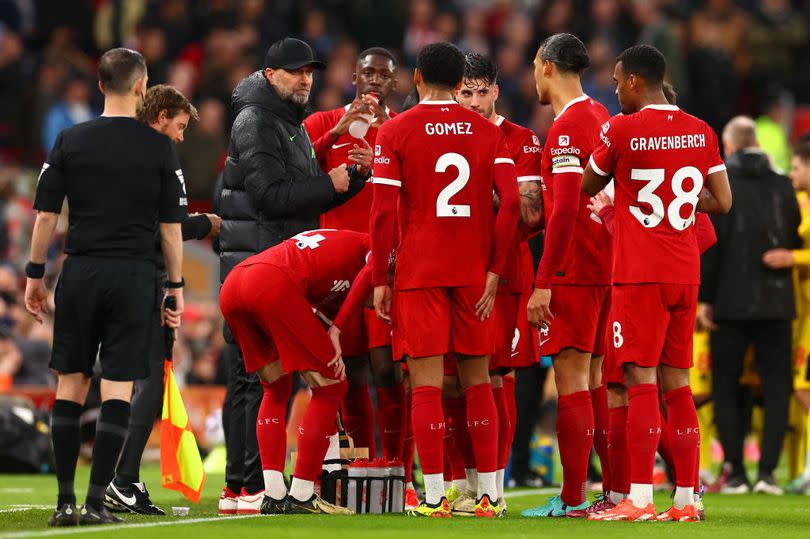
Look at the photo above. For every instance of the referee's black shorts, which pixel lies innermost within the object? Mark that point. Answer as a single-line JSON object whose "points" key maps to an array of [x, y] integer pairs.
{"points": [[105, 308]]}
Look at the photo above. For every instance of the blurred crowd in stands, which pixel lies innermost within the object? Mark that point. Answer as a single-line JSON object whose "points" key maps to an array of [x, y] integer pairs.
{"points": [[725, 57]]}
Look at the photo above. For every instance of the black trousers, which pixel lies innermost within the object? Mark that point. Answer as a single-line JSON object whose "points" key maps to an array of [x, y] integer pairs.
{"points": [[771, 340], [528, 395], [243, 397]]}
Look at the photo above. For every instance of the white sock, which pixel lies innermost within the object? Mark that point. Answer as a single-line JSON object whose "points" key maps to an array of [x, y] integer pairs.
{"points": [[487, 485], [274, 484], [641, 495], [409, 486], [434, 487], [447, 485], [683, 496], [616, 497], [499, 482], [302, 490], [472, 479], [460, 484]]}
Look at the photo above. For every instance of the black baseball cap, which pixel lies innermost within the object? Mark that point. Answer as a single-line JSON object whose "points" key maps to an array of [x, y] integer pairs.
{"points": [[290, 54]]}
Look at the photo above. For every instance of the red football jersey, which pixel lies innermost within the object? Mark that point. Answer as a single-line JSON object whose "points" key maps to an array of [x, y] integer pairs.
{"points": [[659, 158], [323, 263], [525, 149], [571, 139], [443, 159], [353, 215]]}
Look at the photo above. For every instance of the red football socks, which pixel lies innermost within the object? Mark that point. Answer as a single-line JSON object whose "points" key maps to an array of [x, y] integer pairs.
{"points": [[504, 427], [271, 423], [643, 431], [453, 457], [428, 428], [511, 406], [617, 451], [683, 434], [457, 417], [316, 427], [407, 440], [482, 426], [358, 418], [600, 432], [664, 447], [575, 438], [390, 401]]}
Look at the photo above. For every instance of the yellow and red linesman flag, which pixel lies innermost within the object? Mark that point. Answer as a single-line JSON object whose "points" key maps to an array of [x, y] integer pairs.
{"points": [[181, 467]]}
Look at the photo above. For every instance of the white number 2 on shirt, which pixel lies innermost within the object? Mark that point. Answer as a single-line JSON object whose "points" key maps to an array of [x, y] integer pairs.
{"points": [[654, 178], [443, 206]]}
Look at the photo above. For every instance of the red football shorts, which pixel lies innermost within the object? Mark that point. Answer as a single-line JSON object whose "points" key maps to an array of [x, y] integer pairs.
{"points": [[433, 321], [271, 319], [653, 324], [378, 332], [580, 312], [516, 340]]}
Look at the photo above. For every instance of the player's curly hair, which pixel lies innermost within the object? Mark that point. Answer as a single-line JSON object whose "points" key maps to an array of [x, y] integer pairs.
{"points": [[567, 52], [164, 97], [479, 67], [441, 64], [802, 149], [644, 61]]}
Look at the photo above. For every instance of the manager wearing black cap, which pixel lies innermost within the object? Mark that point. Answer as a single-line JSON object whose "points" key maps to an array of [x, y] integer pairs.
{"points": [[272, 190]]}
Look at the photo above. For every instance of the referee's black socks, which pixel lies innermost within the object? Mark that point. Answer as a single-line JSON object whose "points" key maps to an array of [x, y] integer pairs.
{"points": [[111, 432], [66, 438]]}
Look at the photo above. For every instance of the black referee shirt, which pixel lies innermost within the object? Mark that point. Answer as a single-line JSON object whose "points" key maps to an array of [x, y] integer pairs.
{"points": [[121, 178]]}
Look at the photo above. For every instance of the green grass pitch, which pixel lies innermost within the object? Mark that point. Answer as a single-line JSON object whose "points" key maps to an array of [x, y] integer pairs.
{"points": [[26, 502]]}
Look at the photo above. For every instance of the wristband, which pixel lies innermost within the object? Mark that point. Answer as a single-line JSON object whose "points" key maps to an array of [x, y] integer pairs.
{"points": [[34, 270], [180, 284]]}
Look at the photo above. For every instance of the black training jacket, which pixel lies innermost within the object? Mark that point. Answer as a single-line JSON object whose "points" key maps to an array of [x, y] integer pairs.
{"points": [[272, 186]]}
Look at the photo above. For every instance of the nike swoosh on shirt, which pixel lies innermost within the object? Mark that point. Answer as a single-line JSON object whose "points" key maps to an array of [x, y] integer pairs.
{"points": [[129, 500], [336, 146], [544, 341]]}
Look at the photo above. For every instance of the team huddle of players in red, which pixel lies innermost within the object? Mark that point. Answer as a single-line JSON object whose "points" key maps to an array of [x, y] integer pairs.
{"points": [[427, 274]]}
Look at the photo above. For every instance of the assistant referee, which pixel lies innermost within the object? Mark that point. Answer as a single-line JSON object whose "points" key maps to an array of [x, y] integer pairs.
{"points": [[121, 178]]}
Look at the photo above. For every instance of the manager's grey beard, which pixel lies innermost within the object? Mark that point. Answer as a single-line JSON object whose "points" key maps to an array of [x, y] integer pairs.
{"points": [[289, 95]]}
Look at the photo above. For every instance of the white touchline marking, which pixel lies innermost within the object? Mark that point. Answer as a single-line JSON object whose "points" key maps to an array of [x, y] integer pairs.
{"points": [[15, 490], [94, 529], [179, 522]]}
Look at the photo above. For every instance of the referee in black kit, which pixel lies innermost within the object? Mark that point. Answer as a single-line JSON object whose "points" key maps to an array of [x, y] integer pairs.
{"points": [[121, 178]]}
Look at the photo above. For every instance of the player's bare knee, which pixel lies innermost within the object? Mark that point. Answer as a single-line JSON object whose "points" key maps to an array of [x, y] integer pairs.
{"points": [[595, 379], [635, 375], [473, 370], [497, 380], [616, 395], [426, 371], [316, 379], [383, 370], [673, 378]]}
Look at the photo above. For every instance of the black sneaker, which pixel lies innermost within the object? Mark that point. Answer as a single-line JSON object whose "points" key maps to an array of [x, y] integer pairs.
{"points": [[314, 505], [90, 516], [133, 498], [66, 515], [271, 506]]}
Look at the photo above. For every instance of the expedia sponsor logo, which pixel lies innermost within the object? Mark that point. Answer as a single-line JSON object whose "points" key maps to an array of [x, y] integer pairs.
{"points": [[531, 149], [605, 127], [565, 151], [535, 140], [563, 140], [382, 161], [377, 149]]}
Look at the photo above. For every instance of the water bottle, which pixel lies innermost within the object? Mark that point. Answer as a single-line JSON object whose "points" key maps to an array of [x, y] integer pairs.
{"points": [[358, 128], [396, 486], [355, 494], [331, 461], [376, 487]]}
